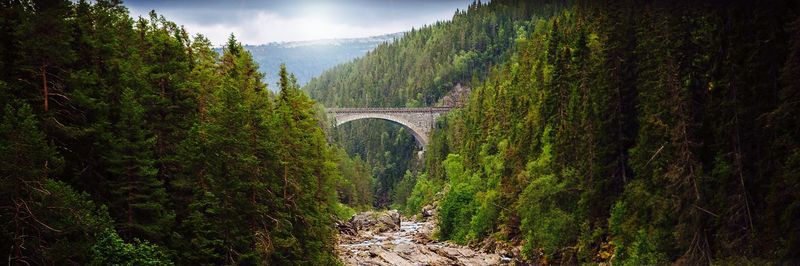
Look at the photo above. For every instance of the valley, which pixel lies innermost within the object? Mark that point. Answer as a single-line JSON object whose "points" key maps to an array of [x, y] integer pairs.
{"points": [[502, 132]]}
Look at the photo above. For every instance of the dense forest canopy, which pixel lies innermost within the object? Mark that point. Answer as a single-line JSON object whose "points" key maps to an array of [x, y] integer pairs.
{"points": [[125, 141], [621, 132], [416, 71], [625, 131], [636, 133]]}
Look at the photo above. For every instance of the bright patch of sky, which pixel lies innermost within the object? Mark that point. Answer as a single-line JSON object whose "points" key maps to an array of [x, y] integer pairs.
{"points": [[259, 22]]}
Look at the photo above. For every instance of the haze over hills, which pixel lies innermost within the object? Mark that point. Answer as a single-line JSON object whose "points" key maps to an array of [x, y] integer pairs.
{"points": [[308, 59]]}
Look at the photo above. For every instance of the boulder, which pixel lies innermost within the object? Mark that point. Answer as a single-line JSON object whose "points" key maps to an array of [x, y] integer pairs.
{"points": [[389, 220], [375, 221], [364, 220], [428, 211], [346, 228]]}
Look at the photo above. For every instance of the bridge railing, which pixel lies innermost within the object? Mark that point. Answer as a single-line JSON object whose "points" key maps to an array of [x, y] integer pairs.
{"points": [[389, 110]]}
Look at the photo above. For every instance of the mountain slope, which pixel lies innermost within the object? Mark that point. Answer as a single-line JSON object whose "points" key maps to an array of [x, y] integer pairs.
{"points": [[417, 70], [129, 143], [422, 66], [632, 134]]}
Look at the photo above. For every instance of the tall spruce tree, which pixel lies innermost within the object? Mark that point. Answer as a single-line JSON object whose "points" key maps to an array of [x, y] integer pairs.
{"points": [[26, 162], [139, 198]]}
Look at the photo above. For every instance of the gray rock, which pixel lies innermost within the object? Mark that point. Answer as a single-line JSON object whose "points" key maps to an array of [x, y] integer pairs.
{"points": [[375, 221], [408, 243], [390, 220], [428, 211]]}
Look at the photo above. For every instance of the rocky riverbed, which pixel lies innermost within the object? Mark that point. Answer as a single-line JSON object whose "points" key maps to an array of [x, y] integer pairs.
{"points": [[386, 238]]}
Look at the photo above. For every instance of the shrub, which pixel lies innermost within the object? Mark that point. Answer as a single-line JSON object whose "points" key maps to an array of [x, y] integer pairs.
{"points": [[456, 212], [486, 215], [421, 195], [111, 250]]}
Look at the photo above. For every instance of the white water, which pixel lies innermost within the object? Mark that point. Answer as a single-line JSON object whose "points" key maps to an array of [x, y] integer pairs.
{"points": [[404, 236]]}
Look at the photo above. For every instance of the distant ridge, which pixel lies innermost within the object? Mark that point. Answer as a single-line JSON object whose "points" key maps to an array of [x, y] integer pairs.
{"points": [[308, 59], [336, 41]]}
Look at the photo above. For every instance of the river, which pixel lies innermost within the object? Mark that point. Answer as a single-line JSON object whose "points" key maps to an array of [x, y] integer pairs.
{"points": [[376, 243]]}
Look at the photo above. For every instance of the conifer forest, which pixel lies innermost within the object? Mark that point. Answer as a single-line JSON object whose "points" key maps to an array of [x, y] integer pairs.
{"points": [[586, 133]]}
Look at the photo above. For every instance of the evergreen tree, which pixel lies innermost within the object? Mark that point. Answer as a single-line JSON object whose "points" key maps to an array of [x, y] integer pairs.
{"points": [[305, 176], [139, 197], [26, 163], [45, 39]]}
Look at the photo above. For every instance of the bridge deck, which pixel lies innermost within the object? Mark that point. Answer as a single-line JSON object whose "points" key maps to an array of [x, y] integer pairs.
{"points": [[389, 110]]}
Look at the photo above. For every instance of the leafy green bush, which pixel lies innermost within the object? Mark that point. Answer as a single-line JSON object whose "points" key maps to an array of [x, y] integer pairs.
{"points": [[636, 244], [545, 225], [452, 209], [455, 213], [422, 194], [110, 249], [343, 212], [486, 215], [642, 251]]}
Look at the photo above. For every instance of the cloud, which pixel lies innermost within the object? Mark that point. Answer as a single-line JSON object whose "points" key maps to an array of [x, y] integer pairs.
{"points": [[261, 22]]}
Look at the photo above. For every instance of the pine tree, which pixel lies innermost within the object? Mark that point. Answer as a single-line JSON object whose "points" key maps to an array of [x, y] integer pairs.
{"points": [[783, 209], [26, 162], [305, 179], [45, 40], [193, 195], [139, 198]]}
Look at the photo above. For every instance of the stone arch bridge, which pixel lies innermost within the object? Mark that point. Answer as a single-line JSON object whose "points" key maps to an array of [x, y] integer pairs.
{"points": [[419, 121]]}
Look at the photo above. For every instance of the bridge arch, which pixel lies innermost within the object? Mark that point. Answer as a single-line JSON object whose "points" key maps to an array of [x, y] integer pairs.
{"points": [[419, 121], [420, 135]]}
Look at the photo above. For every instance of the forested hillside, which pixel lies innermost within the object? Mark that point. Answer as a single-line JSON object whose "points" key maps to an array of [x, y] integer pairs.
{"points": [[631, 133], [125, 141], [611, 132], [415, 71]]}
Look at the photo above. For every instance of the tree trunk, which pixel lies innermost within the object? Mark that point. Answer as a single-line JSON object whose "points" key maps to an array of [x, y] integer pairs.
{"points": [[45, 89]]}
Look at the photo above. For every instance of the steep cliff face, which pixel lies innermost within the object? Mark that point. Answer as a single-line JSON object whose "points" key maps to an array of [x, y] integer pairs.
{"points": [[457, 97]]}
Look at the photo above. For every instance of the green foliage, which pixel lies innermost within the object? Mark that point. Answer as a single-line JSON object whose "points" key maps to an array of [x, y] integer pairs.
{"points": [[643, 251], [417, 70], [67, 224], [422, 194], [343, 212], [356, 184], [546, 222], [485, 218], [111, 250], [27, 154], [402, 190], [455, 211], [454, 169], [78, 228], [140, 197], [25, 164], [196, 160], [311, 174], [620, 132]]}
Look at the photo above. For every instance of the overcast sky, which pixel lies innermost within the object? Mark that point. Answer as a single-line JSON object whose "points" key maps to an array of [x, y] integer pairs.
{"points": [[258, 22]]}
